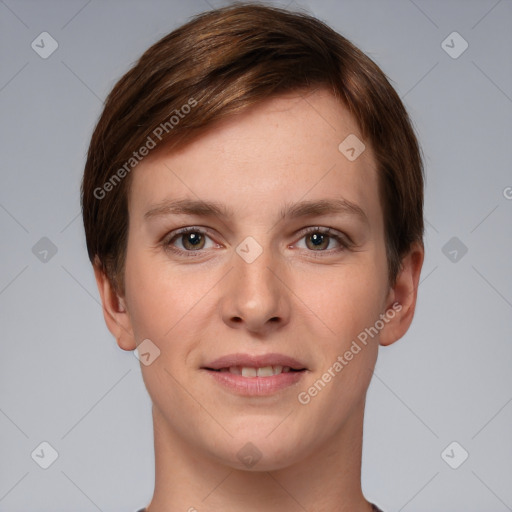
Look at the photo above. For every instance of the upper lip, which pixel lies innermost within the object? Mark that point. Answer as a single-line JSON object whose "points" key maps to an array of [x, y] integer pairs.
{"points": [[254, 361]]}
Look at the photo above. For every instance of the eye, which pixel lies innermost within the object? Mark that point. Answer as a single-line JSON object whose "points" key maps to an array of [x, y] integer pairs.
{"points": [[192, 241], [188, 240], [320, 239]]}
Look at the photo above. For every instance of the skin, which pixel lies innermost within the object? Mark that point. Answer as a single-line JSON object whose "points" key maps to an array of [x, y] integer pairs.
{"points": [[295, 299]]}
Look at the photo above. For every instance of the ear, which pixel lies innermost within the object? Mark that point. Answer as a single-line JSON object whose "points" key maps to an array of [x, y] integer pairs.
{"points": [[402, 296], [114, 311]]}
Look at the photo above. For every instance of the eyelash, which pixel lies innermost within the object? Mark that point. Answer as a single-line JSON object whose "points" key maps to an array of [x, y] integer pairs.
{"points": [[343, 240]]}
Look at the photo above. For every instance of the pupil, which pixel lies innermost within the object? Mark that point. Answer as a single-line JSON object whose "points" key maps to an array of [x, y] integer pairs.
{"points": [[317, 238], [194, 238]]}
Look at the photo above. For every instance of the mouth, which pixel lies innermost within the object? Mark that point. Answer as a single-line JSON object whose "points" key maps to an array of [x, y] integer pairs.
{"points": [[251, 372], [250, 375]]}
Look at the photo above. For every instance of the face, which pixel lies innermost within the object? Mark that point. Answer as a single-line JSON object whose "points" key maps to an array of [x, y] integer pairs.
{"points": [[281, 269]]}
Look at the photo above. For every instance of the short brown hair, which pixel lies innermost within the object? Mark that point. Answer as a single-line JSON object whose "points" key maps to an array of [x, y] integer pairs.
{"points": [[218, 64]]}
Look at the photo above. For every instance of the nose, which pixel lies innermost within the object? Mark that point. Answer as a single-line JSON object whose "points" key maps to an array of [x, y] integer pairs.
{"points": [[255, 296]]}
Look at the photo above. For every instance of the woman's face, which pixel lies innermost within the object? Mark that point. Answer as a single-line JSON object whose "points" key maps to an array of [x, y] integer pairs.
{"points": [[257, 283]]}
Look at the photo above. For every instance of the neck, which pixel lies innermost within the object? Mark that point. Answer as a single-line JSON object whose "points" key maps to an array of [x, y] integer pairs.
{"points": [[328, 480]]}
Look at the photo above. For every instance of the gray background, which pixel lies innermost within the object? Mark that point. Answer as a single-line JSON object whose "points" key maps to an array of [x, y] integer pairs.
{"points": [[64, 380]]}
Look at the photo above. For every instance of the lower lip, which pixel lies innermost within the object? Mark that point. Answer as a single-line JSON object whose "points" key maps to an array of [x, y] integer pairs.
{"points": [[256, 386]]}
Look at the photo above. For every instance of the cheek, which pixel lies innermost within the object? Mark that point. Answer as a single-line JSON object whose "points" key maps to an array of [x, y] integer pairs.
{"points": [[162, 300], [151, 296], [345, 300]]}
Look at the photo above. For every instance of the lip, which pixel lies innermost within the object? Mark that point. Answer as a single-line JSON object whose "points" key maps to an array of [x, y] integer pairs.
{"points": [[254, 361], [255, 386]]}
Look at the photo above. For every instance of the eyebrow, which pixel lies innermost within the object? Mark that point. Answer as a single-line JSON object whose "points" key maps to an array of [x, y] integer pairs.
{"points": [[290, 210]]}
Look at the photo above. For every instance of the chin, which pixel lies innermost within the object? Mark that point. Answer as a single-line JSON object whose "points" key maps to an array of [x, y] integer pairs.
{"points": [[257, 451]]}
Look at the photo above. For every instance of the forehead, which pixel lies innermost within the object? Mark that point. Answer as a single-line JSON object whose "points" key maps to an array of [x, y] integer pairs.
{"points": [[291, 147]]}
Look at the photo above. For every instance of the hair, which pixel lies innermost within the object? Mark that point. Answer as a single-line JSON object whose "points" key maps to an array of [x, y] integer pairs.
{"points": [[217, 65]]}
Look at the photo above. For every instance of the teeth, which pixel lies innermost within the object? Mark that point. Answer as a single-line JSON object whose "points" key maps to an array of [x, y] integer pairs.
{"points": [[249, 372], [266, 371]]}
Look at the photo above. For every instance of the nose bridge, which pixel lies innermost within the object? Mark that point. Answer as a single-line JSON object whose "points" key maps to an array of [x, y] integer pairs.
{"points": [[253, 264], [256, 295]]}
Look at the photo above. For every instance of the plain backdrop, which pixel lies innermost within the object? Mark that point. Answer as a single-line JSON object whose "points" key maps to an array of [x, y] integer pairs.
{"points": [[440, 394]]}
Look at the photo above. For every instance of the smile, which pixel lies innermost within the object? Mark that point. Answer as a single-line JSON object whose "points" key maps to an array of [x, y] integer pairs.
{"points": [[255, 382], [251, 372], [255, 375]]}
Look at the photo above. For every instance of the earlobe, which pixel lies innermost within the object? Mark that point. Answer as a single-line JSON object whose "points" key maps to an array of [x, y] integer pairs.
{"points": [[402, 296], [114, 311]]}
